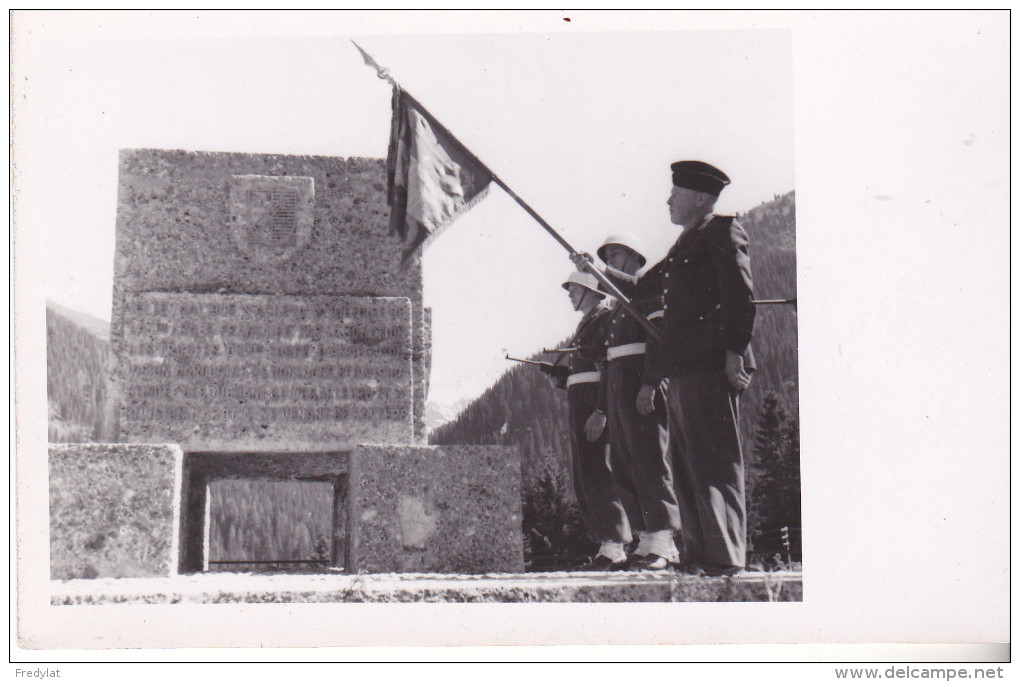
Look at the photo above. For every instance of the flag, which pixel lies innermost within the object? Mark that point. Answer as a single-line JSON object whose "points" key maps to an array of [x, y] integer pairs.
{"points": [[432, 179]]}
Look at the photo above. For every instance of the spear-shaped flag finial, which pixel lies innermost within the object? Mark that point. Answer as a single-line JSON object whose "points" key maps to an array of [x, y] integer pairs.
{"points": [[379, 71]]}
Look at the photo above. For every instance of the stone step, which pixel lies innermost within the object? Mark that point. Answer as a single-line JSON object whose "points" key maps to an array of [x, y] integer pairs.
{"points": [[220, 588]]}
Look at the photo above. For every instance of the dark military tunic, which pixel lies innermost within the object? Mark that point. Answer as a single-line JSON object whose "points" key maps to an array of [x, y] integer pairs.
{"points": [[708, 309], [600, 507], [638, 444]]}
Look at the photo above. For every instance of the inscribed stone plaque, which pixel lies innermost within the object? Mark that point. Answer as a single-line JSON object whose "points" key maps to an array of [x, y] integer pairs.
{"points": [[256, 373], [271, 217]]}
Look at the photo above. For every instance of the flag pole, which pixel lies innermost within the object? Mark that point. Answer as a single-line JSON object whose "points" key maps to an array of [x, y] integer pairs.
{"points": [[605, 281]]}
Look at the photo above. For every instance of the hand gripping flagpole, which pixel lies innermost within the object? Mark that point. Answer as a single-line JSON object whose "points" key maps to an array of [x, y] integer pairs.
{"points": [[605, 281]]}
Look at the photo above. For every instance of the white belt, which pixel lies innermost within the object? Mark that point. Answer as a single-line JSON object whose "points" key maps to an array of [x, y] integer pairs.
{"points": [[614, 352], [583, 378]]}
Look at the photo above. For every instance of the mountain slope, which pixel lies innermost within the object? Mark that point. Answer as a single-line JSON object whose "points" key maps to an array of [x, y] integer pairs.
{"points": [[97, 327], [77, 368], [771, 228]]}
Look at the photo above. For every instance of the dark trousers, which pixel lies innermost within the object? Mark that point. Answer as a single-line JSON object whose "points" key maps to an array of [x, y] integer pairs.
{"points": [[708, 466], [601, 510], [638, 450]]}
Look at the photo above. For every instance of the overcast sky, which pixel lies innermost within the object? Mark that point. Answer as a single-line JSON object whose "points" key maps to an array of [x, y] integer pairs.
{"points": [[583, 127]]}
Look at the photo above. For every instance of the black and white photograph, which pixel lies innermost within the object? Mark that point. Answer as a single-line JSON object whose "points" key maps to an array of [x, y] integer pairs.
{"points": [[472, 329]]}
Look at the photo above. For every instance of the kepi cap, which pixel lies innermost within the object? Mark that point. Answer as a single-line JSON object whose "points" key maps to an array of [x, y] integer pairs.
{"points": [[699, 176]]}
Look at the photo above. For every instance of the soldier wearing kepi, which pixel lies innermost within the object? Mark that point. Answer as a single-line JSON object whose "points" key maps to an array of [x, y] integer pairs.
{"points": [[601, 510], [708, 319], [638, 451]]}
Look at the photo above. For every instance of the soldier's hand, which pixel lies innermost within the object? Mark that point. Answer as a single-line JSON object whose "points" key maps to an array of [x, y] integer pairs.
{"points": [[735, 373], [557, 371], [582, 261], [646, 400], [594, 426]]}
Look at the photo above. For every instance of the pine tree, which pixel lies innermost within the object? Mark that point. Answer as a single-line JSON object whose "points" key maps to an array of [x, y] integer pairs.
{"points": [[774, 480], [764, 459], [791, 475], [551, 518], [321, 551]]}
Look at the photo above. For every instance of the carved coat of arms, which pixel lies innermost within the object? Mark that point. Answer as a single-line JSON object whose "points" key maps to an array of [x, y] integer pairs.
{"points": [[271, 217]]}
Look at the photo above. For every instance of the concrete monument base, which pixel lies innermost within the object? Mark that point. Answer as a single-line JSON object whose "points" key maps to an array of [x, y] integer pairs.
{"points": [[114, 510], [443, 509]]}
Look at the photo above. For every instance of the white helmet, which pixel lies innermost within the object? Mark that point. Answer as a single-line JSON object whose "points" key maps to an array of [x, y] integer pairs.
{"points": [[584, 279], [628, 239]]}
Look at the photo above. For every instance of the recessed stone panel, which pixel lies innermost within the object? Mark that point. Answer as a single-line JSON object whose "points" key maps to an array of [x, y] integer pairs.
{"points": [[230, 372]]}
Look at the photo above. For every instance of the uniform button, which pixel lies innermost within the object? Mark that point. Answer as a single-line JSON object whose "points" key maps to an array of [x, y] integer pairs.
{"points": [[667, 275], [701, 317], [686, 260], [670, 260], [664, 307], [665, 290]]}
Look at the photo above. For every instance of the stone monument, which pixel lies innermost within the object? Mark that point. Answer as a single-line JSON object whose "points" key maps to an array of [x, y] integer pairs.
{"points": [[114, 510], [263, 323]]}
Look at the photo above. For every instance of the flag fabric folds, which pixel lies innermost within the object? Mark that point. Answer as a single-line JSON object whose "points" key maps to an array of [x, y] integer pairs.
{"points": [[431, 178]]}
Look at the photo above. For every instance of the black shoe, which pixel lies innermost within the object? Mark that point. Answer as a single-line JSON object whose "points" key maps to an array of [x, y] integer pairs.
{"points": [[650, 562], [717, 570], [604, 563]]}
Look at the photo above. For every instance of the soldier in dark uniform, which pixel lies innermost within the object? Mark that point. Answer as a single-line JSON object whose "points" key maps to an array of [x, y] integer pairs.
{"points": [[708, 318], [601, 510], [638, 445]]}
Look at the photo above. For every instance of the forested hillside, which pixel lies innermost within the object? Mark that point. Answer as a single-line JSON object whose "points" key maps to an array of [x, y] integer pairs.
{"points": [[77, 367], [771, 228], [522, 408], [251, 520]]}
